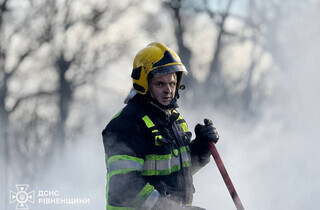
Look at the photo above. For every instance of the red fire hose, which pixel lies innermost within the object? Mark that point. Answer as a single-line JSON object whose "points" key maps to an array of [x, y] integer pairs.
{"points": [[225, 176]]}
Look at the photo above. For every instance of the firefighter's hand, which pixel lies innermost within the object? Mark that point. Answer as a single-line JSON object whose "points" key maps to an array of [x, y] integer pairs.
{"points": [[207, 131]]}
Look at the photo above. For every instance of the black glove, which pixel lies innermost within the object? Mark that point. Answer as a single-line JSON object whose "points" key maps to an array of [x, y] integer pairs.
{"points": [[206, 131]]}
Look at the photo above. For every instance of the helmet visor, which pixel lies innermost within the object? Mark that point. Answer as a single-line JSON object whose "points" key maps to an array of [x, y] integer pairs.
{"points": [[168, 69]]}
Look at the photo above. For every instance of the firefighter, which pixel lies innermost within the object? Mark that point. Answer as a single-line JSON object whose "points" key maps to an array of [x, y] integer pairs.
{"points": [[150, 157]]}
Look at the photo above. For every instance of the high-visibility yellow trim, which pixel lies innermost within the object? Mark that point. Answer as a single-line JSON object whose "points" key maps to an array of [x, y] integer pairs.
{"points": [[124, 157], [148, 121], [166, 164], [151, 200], [150, 124], [183, 125], [143, 195], [117, 114], [124, 164], [124, 170], [112, 173]]}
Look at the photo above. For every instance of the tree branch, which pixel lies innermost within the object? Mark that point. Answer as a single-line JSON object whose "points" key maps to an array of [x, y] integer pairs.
{"points": [[21, 59], [34, 95]]}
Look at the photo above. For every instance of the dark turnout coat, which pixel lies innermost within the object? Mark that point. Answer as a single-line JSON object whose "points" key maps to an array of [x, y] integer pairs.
{"points": [[150, 157]]}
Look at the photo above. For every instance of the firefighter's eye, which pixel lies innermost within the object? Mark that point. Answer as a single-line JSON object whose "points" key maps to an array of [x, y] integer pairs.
{"points": [[172, 84], [159, 84]]}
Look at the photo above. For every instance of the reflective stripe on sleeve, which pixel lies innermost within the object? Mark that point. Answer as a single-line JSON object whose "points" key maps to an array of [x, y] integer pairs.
{"points": [[124, 157], [143, 196], [124, 164], [121, 164], [151, 200]]}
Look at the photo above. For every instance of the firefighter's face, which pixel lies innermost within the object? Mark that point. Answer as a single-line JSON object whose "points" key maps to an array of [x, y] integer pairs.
{"points": [[163, 88]]}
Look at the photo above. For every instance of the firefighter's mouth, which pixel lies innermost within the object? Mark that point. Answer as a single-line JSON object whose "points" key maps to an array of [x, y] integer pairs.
{"points": [[167, 98]]}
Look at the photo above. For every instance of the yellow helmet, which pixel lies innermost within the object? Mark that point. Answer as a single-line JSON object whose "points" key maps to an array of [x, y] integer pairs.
{"points": [[157, 59]]}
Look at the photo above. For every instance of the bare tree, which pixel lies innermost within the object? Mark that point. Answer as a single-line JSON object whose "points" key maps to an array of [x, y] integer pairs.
{"points": [[181, 11], [7, 34], [180, 24], [260, 22], [61, 50]]}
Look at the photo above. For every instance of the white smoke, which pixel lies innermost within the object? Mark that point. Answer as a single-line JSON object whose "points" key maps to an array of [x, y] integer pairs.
{"points": [[273, 163]]}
